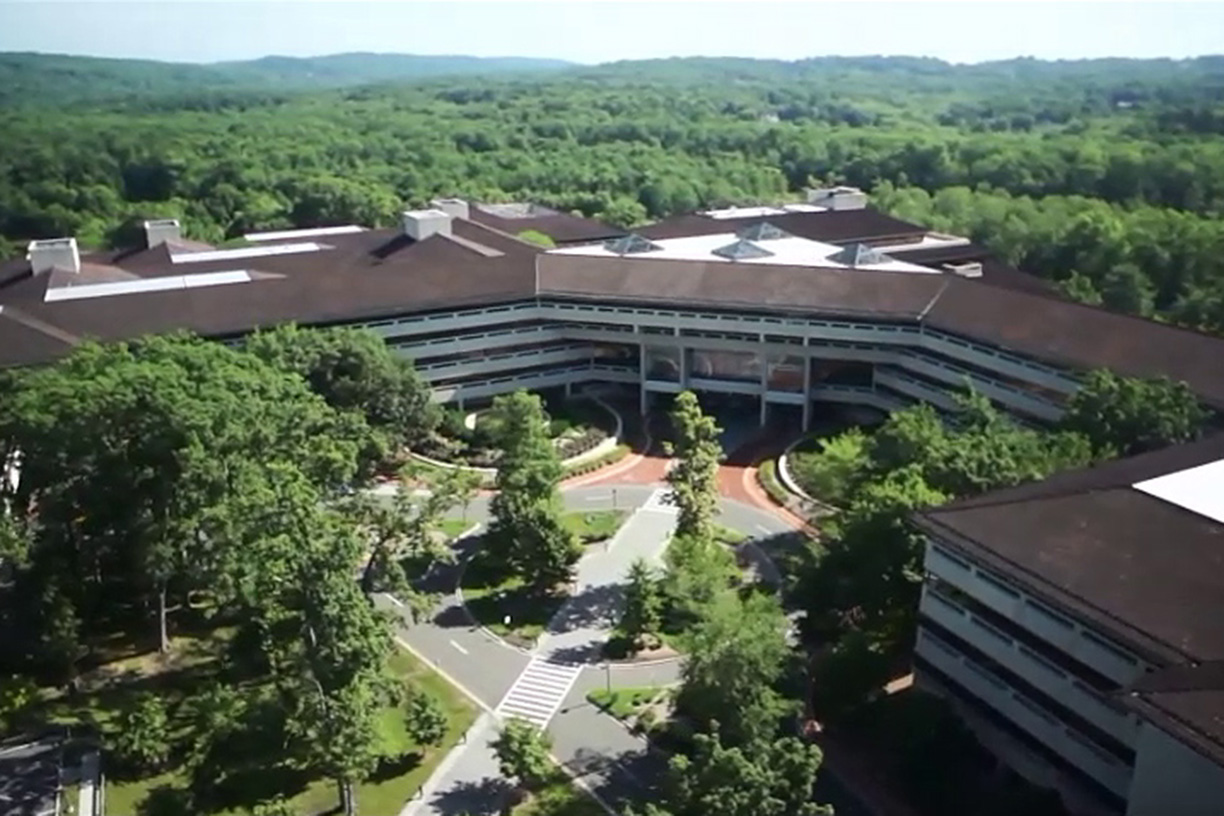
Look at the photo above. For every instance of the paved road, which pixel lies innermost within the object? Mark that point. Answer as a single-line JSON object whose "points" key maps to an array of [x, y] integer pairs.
{"points": [[29, 777]]}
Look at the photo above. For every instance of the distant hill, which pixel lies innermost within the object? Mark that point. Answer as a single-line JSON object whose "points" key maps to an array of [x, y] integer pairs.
{"points": [[59, 78]]}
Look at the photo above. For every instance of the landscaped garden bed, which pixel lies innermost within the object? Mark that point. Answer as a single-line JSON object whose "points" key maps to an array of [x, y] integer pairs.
{"points": [[576, 425]]}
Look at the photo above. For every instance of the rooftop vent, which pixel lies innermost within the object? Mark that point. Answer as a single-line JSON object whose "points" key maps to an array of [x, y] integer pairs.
{"points": [[421, 224], [968, 269], [763, 231], [631, 244], [162, 231], [54, 253], [742, 250], [838, 198], [859, 255], [454, 207]]}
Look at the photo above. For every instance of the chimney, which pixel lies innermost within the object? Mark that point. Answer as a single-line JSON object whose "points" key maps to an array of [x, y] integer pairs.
{"points": [[454, 207], [162, 231], [54, 253], [420, 224], [837, 198], [968, 269]]}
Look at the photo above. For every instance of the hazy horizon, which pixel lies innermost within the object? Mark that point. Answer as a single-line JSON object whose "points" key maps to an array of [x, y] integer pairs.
{"points": [[596, 32]]}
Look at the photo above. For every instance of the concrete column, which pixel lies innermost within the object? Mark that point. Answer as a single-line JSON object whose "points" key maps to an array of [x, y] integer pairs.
{"points": [[807, 393], [684, 367], [764, 358], [642, 378], [569, 388]]}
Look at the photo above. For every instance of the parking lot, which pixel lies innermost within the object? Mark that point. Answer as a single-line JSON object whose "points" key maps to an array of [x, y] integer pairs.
{"points": [[29, 777]]}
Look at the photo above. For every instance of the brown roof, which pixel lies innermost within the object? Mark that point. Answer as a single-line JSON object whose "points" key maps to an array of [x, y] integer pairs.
{"points": [[994, 271], [1188, 702], [367, 274], [1079, 336], [835, 227], [26, 340], [1148, 572], [562, 227], [890, 295]]}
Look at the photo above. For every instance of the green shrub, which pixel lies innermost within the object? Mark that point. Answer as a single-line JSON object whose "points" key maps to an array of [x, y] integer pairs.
{"points": [[831, 473]]}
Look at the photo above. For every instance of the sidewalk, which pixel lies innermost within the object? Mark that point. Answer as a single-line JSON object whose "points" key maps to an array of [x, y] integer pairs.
{"points": [[590, 745]]}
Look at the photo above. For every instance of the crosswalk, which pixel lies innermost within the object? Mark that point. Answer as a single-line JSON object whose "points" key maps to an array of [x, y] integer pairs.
{"points": [[539, 691]]}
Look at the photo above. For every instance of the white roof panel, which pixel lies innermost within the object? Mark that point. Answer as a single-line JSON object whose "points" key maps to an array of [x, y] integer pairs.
{"points": [[280, 235], [1198, 489], [133, 287], [246, 252], [789, 251]]}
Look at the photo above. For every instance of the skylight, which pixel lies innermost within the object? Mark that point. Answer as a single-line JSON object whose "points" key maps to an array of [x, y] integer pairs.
{"points": [[315, 232], [246, 252], [1198, 489], [132, 287], [764, 231], [630, 245], [741, 250], [859, 255]]}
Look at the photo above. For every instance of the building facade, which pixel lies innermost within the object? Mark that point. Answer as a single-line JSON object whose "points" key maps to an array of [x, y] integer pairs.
{"points": [[1076, 623]]}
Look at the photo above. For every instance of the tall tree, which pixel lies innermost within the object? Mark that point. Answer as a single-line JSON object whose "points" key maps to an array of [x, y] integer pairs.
{"points": [[526, 532], [766, 778], [523, 753], [1130, 415], [353, 370], [736, 656], [694, 478], [643, 611]]}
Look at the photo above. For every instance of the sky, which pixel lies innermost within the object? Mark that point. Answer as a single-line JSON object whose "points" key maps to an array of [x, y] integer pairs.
{"points": [[590, 32]]}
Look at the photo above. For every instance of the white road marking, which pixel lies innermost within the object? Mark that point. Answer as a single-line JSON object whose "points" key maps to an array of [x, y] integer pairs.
{"points": [[657, 502], [538, 692], [15, 748], [393, 599], [594, 498], [763, 529], [459, 648]]}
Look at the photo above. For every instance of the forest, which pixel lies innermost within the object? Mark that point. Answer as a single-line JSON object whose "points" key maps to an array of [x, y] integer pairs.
{"points": [[1104, 176]]}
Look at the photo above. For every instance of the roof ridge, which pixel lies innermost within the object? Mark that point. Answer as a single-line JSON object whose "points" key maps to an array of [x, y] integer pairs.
{"points": [[39, 325]]}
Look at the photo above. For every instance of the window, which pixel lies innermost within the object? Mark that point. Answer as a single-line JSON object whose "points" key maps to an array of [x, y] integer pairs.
{"points": [[1113, 650], [986, 577], [1048, 614], [960, 562]]}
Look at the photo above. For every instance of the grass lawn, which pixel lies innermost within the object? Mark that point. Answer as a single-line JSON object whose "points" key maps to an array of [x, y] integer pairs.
{"points": [[594, 525], [69, 799], [392, 784], [560, 798], [451, 528], [623, 703], [491, 601]]}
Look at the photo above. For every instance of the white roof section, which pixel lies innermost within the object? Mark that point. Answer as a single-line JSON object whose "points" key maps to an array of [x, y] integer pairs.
{"points": [[929, 241], [1198, 489], [246, 252], [789, 251], [132, 287], [315, 232], [757, 212]]}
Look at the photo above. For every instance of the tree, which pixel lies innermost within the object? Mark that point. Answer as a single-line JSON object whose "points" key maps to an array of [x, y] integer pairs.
{"points": [[643, 612], [526, 533], [425, 718], [523, 753], [699, 573], [847, 675], [16, 693], [870, 571], [736, 656], [694, 478], [536, 237], [353, 370], [1129, 415], [404, 537], [142, 736], [767, 778], [216, 713], [832, 473]]}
